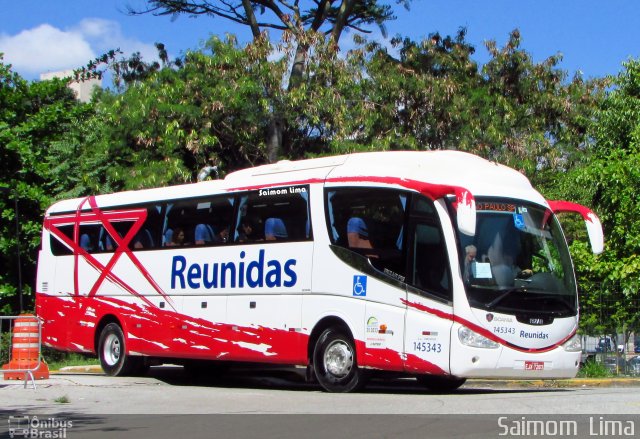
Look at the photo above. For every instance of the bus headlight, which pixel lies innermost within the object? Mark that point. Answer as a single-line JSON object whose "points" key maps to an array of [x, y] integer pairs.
{"points": [[470, 338], [574, 344]]}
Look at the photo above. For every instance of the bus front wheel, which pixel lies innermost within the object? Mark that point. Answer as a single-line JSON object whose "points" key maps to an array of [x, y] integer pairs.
{"points": [[334, 362], [112, 352]]}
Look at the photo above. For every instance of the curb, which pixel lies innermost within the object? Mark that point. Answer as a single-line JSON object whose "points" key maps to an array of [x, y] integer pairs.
{"points": [[556, 384], [92, 368]]}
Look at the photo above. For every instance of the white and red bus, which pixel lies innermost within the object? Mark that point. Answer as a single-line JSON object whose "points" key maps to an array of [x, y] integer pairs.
{"points": [[440, 265]]}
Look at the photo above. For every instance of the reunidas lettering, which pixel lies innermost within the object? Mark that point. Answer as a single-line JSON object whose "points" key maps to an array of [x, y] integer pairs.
{"points": [[541, 335], [254, 274]]}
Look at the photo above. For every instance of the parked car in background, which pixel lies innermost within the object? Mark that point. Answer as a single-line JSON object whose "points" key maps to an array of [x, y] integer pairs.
{"points": [[615, 364], [604, 345], [633, 365]]}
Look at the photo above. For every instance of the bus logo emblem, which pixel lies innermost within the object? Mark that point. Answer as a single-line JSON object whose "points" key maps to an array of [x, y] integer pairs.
{"points": [[359, 285], [489, 317]]}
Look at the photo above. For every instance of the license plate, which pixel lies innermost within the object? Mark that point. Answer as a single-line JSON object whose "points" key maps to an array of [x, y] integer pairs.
{"points": [[534, 365]]}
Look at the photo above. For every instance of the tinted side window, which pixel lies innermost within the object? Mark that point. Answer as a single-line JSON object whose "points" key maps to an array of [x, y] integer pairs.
{"points": [[370, 222], [274, 214], [89, 236], [429, 265], [146, 238], [57, 247], [198, 222]]}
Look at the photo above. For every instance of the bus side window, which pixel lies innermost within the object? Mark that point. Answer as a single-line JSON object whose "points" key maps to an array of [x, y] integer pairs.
{"points": [[358, 233], [274, 215], [88, 237], [370, 222], [149, 235], [429, 268], [204, 221], [275, 230], [58, 248]]}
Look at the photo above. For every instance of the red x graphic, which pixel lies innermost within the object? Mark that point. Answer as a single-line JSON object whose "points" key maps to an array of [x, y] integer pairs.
{"points": [[121, 244]]}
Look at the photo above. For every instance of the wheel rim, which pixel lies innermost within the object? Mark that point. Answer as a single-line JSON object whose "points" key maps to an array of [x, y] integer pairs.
{"points": [[338, 359], [112, 350]]}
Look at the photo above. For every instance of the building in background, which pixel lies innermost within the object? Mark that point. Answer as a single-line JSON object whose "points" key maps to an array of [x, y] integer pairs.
{"points": [[82, 89]]}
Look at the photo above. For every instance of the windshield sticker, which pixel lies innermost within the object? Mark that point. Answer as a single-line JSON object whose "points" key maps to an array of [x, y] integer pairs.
{"points": [[481, 270], [518, 221]]}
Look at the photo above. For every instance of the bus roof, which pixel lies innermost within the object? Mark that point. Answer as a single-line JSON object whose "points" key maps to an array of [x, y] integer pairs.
{"points": [[454, 168]]}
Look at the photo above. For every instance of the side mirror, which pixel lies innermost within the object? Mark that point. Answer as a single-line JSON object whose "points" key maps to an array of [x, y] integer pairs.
{"points": [[594, 226], [466, 212]]}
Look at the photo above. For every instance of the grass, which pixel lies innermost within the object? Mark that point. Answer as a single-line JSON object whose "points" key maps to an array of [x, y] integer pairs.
{"points": [[593, 369], [59, 360], [62, 399]]}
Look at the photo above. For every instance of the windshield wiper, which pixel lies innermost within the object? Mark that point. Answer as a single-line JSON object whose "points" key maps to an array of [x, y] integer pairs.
{"points": [[502, 296], [540, 294]]}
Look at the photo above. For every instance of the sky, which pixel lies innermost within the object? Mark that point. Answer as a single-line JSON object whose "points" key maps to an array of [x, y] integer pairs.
{"points": [[594, 37]]}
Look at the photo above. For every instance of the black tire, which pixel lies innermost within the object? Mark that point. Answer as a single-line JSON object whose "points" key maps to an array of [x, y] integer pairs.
{"points": [[112, 352], [440, 384], [335, 364]]}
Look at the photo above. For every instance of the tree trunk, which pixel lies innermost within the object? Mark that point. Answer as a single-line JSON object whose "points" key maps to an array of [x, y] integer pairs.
{"points": [[277, 123], [274, 137]]}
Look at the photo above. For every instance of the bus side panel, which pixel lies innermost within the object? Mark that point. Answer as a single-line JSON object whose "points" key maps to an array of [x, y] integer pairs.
{"points": [[428, 333], [276, 277], [373, 310], [275, 321], [383, 335], [316, 307], [54, 314], [157, 332], [188, 336]]}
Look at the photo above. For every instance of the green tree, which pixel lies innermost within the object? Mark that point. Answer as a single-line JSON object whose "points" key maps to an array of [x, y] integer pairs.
{"points": [[298, 19], [609, 182], [212, 108], [33, 116], [434, 96]]}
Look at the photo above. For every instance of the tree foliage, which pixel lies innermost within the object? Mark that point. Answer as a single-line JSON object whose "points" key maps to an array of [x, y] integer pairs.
{"points": [[327, 16], [214, 107], [433, 95], [33, 117], [297, 20], [609, 182]]}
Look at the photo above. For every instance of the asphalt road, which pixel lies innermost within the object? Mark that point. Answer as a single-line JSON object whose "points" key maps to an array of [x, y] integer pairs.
{"points": [[278, 403]]}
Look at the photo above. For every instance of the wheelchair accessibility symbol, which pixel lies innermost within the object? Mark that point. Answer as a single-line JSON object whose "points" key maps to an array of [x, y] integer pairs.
{"points": [[359, 285], [518, 221]]}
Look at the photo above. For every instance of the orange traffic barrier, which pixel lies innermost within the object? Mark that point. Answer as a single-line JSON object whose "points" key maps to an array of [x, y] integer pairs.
{"points": [[25, 351]]}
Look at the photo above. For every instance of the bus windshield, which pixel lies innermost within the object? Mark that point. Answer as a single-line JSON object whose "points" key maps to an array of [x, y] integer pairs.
{"points": [[518, 261]]}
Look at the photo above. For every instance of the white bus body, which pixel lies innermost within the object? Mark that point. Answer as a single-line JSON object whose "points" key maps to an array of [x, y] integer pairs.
{"points": [[345, 264]]}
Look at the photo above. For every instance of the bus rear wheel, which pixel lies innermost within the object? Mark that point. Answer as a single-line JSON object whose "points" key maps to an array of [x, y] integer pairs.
{"points": [[334, 362], [440, 384], [112, 352]]}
